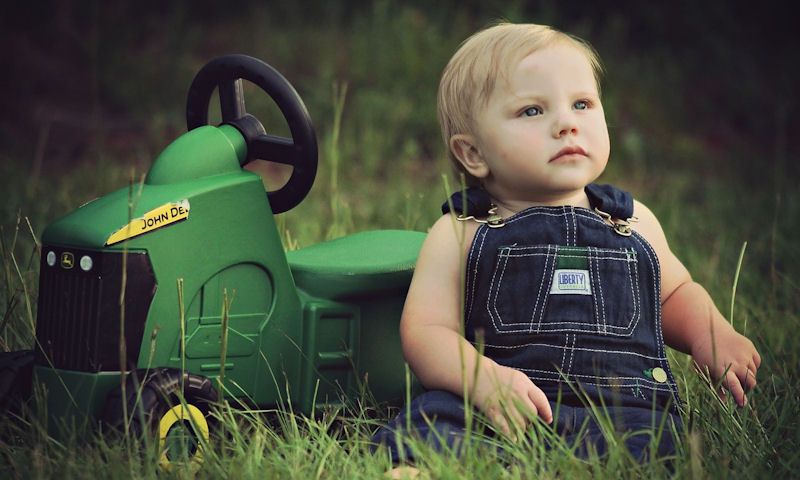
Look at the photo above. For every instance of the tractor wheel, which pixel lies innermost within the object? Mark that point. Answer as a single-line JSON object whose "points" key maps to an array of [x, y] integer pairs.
{"points": [[15, 378], [154, 404]]}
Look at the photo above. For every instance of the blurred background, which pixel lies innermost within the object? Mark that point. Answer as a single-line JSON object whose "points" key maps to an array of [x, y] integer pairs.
{"points": [[708, 87], [701, 100]]}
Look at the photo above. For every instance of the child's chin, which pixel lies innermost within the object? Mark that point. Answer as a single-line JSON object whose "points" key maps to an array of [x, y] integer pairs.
{"points": [[571, 183]]}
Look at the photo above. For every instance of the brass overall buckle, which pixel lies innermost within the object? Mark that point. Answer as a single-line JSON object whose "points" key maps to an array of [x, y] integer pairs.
{"points": [[620, 226], [493, 220]]}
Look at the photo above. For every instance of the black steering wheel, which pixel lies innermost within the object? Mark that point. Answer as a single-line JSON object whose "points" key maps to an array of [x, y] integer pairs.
{"points": [[300, 151]]}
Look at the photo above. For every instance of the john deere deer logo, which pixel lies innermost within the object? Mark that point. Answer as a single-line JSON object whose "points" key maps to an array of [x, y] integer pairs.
{"points": [[67, 260]]}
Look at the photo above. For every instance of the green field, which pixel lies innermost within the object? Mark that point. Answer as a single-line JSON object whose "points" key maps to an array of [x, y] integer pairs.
{"points": [[702, 127]]}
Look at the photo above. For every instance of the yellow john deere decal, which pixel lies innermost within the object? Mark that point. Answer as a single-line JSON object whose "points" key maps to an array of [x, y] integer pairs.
{"points": [[67, 260], [156, 218]]}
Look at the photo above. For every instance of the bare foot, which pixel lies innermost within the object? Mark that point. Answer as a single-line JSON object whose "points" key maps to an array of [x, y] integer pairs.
{"points": [[403, 472]]}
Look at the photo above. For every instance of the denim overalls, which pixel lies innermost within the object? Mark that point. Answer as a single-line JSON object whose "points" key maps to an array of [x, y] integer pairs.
{"points": [[571, 297]]}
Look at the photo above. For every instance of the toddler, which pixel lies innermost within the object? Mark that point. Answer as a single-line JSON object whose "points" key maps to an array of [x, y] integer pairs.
{"points": [[544, 286]]}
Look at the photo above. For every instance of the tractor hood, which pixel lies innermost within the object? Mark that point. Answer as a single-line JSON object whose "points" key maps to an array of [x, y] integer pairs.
{"points": [[200, 161], [108, 221]]}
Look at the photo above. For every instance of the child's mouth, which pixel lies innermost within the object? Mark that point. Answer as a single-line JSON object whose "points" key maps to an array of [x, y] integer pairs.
{"points": [[569, 152]]}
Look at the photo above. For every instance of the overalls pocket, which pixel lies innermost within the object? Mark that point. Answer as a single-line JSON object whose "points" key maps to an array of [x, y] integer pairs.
{"points": [[561, 289]]}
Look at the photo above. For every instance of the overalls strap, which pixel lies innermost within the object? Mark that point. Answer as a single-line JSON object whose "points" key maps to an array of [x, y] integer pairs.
{"points": [[611, 200], [478, 202]]}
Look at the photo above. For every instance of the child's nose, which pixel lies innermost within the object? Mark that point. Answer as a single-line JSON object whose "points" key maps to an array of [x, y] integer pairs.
{"points": [[565, 124]]}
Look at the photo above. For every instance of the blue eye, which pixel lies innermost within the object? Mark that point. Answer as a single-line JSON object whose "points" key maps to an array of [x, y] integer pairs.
{"points": [[581, 105], [532, 111]]}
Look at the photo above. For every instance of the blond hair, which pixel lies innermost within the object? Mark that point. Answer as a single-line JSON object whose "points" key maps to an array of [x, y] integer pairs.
{"points": [[472, 73]]}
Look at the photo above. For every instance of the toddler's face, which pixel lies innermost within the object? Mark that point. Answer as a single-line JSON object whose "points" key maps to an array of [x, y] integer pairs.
{"points": [[543, 133]]}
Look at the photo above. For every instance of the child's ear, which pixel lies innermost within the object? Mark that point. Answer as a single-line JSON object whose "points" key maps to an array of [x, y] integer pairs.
{"points": [[465, 149]]}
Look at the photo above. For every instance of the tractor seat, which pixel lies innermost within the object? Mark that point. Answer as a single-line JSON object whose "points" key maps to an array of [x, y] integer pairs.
{"points": [[358, 264]]}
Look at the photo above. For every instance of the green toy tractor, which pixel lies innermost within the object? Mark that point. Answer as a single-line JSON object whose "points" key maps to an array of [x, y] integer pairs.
{"points": [[155, 298]]}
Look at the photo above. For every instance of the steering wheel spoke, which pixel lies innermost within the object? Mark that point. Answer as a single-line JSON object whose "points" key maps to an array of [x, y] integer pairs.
{"points": [[273, 148], [231, 99]]}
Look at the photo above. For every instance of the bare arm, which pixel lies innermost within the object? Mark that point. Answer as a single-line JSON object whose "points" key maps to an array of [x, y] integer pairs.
{"points": [[432, 334], [693, 324]]}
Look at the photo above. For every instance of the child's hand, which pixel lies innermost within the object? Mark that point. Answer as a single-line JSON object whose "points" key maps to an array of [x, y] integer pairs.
{"points": [[735, 357], [510, 399]]}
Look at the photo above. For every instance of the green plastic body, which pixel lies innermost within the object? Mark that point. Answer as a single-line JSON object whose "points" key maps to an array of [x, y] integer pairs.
{"points": [[302, 334]]}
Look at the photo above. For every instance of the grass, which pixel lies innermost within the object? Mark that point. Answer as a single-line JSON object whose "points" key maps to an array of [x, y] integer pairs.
{"points": [[380, 167], [722, 440]]}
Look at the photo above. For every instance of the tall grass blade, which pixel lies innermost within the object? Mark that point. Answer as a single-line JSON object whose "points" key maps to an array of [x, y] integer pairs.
{"points": [[736, 282], [337, 227], [223, 355], [182, 319]]}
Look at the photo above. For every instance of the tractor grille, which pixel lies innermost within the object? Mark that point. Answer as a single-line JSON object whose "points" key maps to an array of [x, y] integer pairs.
{"points": [[78, 320]]}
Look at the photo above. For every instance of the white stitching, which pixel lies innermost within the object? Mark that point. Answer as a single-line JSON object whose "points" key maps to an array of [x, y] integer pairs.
{"points": [[546, 278], [518, 255], [497, 294], [633, 322], [492, 303], [657, 300], [583, 349], [574, 226], [656, 288], [571, 353], [494, 292], [603, 297], [471, 288], [554, 326], [575, 330], [542, 210], [634, 279], [506, 252], [620, 254], [598, 377], [661, 387], [597, 312]]}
